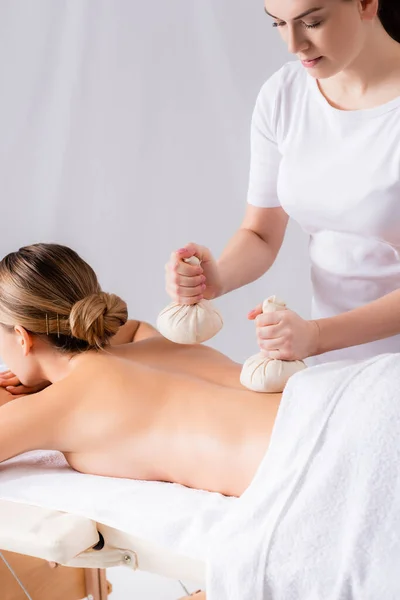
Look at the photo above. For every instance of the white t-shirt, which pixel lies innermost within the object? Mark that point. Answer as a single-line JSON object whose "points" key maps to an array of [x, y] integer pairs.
{"points": [[337, 173]]}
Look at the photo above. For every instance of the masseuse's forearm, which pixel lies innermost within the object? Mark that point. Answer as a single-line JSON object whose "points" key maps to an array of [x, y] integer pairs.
{"points": [[246, 257], [374, 321]]}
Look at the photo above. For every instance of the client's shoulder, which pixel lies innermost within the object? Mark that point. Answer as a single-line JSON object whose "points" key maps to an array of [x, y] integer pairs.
{"points": [[134, 331]]}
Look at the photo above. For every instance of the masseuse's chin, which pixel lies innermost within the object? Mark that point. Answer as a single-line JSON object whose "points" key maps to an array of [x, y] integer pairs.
{"points": [[326, 72], [322, 70]]}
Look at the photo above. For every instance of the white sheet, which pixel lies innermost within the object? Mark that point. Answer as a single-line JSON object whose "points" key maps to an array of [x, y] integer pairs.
{"points": [[321, 519], [168, 515]]}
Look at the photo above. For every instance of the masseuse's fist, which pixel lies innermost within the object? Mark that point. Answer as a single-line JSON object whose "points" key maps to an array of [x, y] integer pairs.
{"points": [[284, 335], [188, 284]]}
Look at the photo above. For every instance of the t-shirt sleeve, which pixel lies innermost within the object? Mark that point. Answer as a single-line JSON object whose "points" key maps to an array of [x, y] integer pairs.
{"points": [[265, 156]]}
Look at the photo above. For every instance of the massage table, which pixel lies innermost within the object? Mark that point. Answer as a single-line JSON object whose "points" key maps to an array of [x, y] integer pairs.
{"points": [[326, 524], [51, 512]]}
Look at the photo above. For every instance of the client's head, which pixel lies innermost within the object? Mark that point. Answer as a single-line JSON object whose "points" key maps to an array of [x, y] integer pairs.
{"points": [[50, 300]]}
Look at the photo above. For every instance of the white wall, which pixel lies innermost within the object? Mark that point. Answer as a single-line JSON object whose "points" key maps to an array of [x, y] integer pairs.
{"points": [[125, 134]]}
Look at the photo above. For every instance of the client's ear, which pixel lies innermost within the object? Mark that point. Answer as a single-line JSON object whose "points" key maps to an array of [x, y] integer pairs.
{"points": [[24, 339]]}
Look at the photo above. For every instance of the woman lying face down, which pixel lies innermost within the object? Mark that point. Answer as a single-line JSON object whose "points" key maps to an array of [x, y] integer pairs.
{"points": [[150, 410]]}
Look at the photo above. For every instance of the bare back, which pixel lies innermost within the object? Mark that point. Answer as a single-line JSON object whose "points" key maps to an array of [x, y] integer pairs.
{"points": [[155, 410]]}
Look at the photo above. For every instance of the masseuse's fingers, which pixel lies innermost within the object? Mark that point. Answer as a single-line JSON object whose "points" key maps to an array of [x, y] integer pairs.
{"points": [[269, 326], [186, 283], [274, 335], [176, 263], [194, 281], [285, 335], [182, 287], [271, 336], [269, 318], [270, 350], [185, 296], [269, 332], [275, 343], [255, 312]]}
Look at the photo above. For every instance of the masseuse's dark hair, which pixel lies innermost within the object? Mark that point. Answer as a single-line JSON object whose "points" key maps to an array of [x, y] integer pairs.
{"points": [[389, 16], [50, 290]]}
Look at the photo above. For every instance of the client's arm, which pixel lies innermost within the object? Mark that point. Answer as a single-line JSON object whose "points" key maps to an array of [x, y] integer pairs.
{"points": [[134, 331], [26, 423], [5, 397]]}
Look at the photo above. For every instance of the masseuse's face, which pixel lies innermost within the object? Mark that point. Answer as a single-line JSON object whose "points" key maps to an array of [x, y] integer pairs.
{"points": [[330, 31]]}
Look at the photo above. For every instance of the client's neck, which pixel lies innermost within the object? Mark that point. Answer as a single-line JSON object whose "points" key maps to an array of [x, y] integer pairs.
{"points": [[54, 365]]}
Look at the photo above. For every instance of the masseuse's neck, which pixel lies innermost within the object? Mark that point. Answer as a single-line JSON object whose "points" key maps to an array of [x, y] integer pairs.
{"points": [[380, 56]]}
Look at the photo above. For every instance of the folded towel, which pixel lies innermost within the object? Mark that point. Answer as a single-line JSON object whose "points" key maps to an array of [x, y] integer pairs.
{"points": [[321, 519], [169, 515]]}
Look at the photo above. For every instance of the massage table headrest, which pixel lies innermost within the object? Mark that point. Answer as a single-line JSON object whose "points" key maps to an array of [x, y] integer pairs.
{"points": [[53, 536]]}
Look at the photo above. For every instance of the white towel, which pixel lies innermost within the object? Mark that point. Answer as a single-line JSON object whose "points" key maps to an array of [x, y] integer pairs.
{"points": [[169, 515], [321, 519]]}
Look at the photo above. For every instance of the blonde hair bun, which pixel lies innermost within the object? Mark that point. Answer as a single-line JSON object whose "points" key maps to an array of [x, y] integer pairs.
{"points": [[97, 317], [50, 290]]}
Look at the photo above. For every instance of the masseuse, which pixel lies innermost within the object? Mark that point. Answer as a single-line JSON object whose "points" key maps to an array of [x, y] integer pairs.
{"points": [[325, 145]]}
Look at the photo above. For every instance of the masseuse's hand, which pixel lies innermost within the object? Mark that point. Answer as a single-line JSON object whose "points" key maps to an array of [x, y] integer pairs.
{"points": [[284, 335], [13, 385], [188, 284]]}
